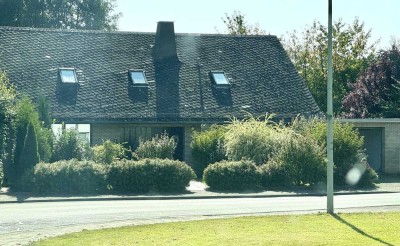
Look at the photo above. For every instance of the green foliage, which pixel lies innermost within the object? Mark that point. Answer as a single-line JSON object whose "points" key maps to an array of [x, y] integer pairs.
{"points": [[72, 14], [352, 51], [149, 175], [207, 147], [253, 139], [161, 147], [1, 174], [232, 175], [29, 154], [70, 176], [299, 161], [108, 152], [26, 114], [7, 97], [69, 146], [236, 25], [43, 108], [347, 143]]}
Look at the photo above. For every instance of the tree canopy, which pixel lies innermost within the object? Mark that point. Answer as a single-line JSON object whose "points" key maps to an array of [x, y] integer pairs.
{"points": [[236, 25], [71, 14], [352, 51], [377, 91]]}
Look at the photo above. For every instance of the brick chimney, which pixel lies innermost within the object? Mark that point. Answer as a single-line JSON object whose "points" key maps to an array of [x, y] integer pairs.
{"points": [[165, 44]]}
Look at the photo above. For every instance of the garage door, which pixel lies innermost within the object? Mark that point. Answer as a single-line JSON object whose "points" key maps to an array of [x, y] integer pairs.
{"points": [[373, 144]]}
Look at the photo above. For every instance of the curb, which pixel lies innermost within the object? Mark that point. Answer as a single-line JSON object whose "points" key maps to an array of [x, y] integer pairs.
{"points": [[132, 198]]}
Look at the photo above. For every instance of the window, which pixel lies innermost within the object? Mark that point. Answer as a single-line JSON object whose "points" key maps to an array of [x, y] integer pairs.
{"points": [[219, 78], [68, 75], [137, 77]]}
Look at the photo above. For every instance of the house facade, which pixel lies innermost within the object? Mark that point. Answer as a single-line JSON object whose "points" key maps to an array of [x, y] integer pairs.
{"points": [[129, 85], [381, 141]]}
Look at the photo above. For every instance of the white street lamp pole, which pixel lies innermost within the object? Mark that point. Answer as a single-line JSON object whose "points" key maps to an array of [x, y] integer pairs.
{"points": [[329, 115]]}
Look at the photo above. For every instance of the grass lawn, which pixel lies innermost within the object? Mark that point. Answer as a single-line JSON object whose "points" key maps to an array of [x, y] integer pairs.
{"points": [[319, 229]]}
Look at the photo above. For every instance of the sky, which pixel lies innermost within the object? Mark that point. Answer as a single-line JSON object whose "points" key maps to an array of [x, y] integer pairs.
{"points": [[276, 17]]}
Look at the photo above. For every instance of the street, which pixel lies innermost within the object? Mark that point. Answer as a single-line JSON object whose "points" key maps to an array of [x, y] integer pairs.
{"points": [[21, 223]]}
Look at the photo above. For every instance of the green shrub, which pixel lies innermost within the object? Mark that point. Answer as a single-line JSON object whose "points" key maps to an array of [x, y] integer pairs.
{"points": [[274, 174], [361, 174], [71, 176], [161, 147], [299, 161], [1, 174], [207, 147], [69, 146], [149, 175], [29, 154], [253, 139], [108, 151], [232, 175], [347, 143]]}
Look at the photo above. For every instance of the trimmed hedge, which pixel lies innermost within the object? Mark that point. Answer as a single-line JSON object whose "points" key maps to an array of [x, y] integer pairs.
{"points": [[232, 175], [149, 175], [70, 176]]}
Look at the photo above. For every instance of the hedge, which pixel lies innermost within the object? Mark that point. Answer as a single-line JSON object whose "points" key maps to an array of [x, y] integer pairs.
{"points": [[71, 176], [232, 175], [149, 175]]}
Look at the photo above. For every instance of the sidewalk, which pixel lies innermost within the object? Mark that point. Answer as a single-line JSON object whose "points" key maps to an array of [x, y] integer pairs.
{"points": [[197, 190]]}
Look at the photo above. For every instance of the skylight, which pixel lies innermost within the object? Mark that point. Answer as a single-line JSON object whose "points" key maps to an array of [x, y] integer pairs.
{"points": [[137, 77], [219, 78], [68, 75]]}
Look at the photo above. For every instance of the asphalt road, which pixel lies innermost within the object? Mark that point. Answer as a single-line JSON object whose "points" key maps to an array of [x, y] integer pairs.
{"points": [[25, 222]]}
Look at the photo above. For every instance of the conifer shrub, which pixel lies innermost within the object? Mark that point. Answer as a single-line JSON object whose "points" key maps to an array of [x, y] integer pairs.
{"points": [[232, 175]]}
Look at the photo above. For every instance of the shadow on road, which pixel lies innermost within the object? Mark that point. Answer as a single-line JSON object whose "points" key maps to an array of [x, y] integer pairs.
{"points": [[358, 230]]}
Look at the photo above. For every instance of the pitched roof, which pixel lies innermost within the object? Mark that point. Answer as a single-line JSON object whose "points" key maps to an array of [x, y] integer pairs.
{"points": [[262, 78]]}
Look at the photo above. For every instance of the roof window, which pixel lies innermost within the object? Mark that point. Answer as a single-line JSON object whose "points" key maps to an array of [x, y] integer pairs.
{"points": [[68, 75], [138, 77], [219, 78]]}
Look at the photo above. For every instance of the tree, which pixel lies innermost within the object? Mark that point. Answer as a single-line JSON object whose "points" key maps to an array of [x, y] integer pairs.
{"points": [[352, 52], [71, 14], [377, 91], [7, 97], [44, 110], [29, 153], [236, 25]]}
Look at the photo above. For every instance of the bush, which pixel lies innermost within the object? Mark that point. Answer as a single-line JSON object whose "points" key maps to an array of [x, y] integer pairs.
{"points": [[253, 140], [149, 175], [69, 146], [70, 176], [161, 147], [207, 147], [232, 175], [108, 151], [347, 143], [300, 161]]}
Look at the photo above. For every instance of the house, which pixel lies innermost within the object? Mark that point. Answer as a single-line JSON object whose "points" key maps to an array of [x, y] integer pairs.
{"points": [[128, 85]]}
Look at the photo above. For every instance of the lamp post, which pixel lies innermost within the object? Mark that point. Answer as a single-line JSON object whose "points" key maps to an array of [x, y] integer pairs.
{"points": [[329, 115]]}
